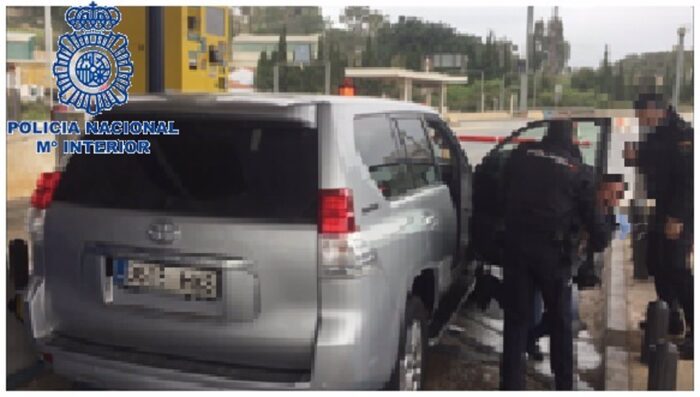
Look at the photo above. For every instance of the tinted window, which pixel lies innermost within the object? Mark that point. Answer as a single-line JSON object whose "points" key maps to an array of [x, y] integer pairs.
{"points": [[215, 167], [419, 151], [376, 142], [586, 133]]}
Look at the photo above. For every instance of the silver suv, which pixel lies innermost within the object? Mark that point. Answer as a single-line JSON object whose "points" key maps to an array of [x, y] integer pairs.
{"points": [[276, 242]]}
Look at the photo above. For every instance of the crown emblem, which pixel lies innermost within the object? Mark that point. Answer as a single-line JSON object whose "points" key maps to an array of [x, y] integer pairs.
{"points": [[93, 17], [93, 66]]}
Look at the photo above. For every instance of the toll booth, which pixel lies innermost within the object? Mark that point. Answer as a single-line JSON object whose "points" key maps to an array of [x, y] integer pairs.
{"points": [[194, 52]]}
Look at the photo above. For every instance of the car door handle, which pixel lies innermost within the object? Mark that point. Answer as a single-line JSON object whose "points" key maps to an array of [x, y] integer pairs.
{"points": [[430, 220]]}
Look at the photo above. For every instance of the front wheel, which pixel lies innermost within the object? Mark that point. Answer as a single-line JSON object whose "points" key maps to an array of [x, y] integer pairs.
{"points": [[410, 362]]}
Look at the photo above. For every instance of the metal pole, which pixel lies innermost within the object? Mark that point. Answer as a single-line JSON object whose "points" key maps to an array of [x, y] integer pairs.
{"points": [[156, 50], [482, 91], [534, 90], [276, 78], [656, 328], [502, 93], [48, 47], [512, 96], [443, 99], [663, 366], [327, 62], [679, 66], [524, 73]]}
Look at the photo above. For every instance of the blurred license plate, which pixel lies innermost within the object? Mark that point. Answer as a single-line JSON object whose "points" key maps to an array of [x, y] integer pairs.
{"points": [[192, 283]]}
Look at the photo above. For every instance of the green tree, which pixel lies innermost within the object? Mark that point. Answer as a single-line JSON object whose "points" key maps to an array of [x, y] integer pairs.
{"points": [[281, 59], [297, 20], [263, 73], [368, 53], [620, 91], [584, 79], [605, 74]]}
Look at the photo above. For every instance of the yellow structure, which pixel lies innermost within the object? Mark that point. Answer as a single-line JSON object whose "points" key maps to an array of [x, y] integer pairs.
{"points": [[33, 72], [197, 47]]}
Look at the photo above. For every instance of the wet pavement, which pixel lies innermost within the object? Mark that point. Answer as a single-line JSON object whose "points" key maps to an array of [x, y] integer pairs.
{"points": [[467, 356]]}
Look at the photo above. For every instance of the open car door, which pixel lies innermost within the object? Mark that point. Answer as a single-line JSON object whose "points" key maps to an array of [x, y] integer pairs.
{"points": [[487, 222]]}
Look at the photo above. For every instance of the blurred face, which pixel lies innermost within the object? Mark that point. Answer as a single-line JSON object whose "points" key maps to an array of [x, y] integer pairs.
{"points": [[650, 117], [610, 193]]}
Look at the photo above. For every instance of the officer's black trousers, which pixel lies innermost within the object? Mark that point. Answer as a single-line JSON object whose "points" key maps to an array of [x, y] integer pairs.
{"points": [[531, 262], [672, 277]]}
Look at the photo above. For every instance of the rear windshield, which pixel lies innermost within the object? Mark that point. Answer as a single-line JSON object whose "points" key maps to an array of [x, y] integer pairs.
{"points": [[214, 167]]}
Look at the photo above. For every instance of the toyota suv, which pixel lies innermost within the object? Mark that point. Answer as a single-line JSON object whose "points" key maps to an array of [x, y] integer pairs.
{"points": [[283, 242]]}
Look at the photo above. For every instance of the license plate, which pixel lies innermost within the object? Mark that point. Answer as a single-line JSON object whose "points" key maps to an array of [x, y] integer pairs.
{"points": [[190, 282]]}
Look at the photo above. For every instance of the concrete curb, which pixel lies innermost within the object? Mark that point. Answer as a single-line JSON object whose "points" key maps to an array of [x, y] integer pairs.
{"points": [[615, 357]]}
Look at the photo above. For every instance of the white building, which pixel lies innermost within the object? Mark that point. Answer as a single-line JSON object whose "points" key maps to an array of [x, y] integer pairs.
{"points": [[248, 47]]}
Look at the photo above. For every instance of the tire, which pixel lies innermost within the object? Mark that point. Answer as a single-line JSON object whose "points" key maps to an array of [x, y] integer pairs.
{"points": [[412, 348]]}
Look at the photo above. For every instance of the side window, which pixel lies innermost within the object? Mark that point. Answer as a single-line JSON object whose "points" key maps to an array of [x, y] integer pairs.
{"points": [[587, 134], [419, 151], [441, 148], [534, 134], [379, 150]]}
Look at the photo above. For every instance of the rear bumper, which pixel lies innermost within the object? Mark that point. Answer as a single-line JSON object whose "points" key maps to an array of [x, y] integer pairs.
{"points": [[120, 375], [355, 348]]}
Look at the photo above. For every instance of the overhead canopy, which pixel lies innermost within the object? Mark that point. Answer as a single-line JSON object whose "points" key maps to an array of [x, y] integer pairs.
{"points": [[407, 78], [398, 73]]}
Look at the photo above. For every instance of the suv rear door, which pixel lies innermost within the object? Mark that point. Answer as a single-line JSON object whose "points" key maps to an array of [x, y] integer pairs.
{"points": [[204, 249], [488, 219]]}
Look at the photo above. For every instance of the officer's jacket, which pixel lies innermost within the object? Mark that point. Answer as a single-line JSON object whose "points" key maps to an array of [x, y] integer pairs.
{"points": [[680, 189], [666, 160], [548, 191]]}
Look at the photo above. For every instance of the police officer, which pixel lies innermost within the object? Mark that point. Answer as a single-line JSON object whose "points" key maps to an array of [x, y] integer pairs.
{"points": [[548, 191], [665, 158]]}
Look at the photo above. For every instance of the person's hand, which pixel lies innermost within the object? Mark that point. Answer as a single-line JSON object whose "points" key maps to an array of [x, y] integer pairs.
{"points": [[673, 228], [630, 153]]}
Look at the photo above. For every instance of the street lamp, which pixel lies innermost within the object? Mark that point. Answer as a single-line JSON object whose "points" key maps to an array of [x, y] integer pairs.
{"points": [[679, 66]]}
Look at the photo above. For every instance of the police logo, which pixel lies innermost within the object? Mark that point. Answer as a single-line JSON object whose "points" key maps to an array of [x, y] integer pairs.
{"points": [[93, 66]]}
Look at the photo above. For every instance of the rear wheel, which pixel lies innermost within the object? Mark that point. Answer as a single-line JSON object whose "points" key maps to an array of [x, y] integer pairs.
{"points": [[410, 362]]}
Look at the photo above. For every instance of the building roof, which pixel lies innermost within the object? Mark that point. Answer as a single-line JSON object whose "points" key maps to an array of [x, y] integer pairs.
{"points": [[274, 38], [20, 36], [399, 73]]}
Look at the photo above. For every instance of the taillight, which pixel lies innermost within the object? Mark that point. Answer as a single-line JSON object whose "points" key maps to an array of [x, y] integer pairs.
{"points": [[336, 213], [45, 187]]}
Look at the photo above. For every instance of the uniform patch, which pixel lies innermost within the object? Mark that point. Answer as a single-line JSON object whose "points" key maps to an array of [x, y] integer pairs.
{"points": [[557, 159], [685, 146]]}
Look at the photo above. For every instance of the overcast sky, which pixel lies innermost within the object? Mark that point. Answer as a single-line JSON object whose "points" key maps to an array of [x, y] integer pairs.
{"points": [[626, 30]]}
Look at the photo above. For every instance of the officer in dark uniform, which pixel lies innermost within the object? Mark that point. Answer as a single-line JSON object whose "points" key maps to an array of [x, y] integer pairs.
{"points": [[549, 190], [665, 158]]}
